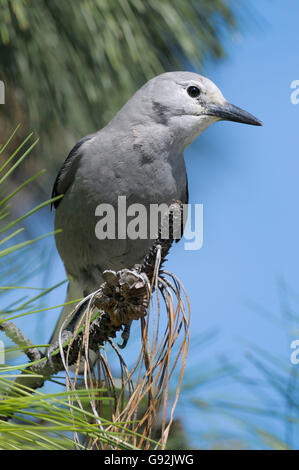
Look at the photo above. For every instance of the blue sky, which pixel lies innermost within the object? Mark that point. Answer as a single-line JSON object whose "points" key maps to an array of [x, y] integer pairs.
{"points": [[247, 180]]}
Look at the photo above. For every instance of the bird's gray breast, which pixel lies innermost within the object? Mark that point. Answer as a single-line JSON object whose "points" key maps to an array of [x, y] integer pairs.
{"points": [[106, 173]]}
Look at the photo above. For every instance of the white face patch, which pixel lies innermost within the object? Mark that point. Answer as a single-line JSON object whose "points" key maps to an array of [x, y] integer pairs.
{"points": [[213, 93], [181, 112]]}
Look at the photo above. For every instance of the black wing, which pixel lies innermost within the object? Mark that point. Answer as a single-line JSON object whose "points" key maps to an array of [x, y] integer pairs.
{"points": [[67, 171], [185, 201], [187, 192]]}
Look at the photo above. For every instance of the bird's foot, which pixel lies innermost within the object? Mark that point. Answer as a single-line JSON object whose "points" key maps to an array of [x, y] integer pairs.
{"points": [[125, 335]]}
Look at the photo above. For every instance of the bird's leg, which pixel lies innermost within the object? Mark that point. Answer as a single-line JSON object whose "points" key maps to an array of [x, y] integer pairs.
{"points": [[125, 335]]}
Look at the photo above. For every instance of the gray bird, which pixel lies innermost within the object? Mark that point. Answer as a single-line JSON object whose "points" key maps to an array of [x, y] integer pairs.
{"points": [[139, 154]]}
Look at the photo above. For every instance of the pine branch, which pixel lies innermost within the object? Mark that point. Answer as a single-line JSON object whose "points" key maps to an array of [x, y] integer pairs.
{"points": [[122, 298]]}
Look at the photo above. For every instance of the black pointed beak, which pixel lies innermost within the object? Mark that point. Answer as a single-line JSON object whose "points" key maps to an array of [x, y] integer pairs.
{"points": [[230, 112]]}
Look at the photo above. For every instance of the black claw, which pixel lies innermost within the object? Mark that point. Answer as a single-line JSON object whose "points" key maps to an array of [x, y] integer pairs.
{"points": [[125, 335]]}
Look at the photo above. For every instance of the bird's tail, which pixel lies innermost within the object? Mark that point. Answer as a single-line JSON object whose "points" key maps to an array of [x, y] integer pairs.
{"points": [[74, 292]]}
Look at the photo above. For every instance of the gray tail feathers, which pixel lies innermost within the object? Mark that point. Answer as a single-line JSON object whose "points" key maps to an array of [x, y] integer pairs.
{"points": [[74, 292]]}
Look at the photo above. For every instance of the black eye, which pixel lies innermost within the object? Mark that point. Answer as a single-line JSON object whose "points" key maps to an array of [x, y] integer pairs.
{"points": [[193, 91]]}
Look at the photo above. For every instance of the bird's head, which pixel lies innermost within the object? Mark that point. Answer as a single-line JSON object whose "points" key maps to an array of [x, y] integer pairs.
{"points": [[188, 103]]}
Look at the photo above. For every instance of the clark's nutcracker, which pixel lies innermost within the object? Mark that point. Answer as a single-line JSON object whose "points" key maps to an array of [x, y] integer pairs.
{"points": [[139, 154]]}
